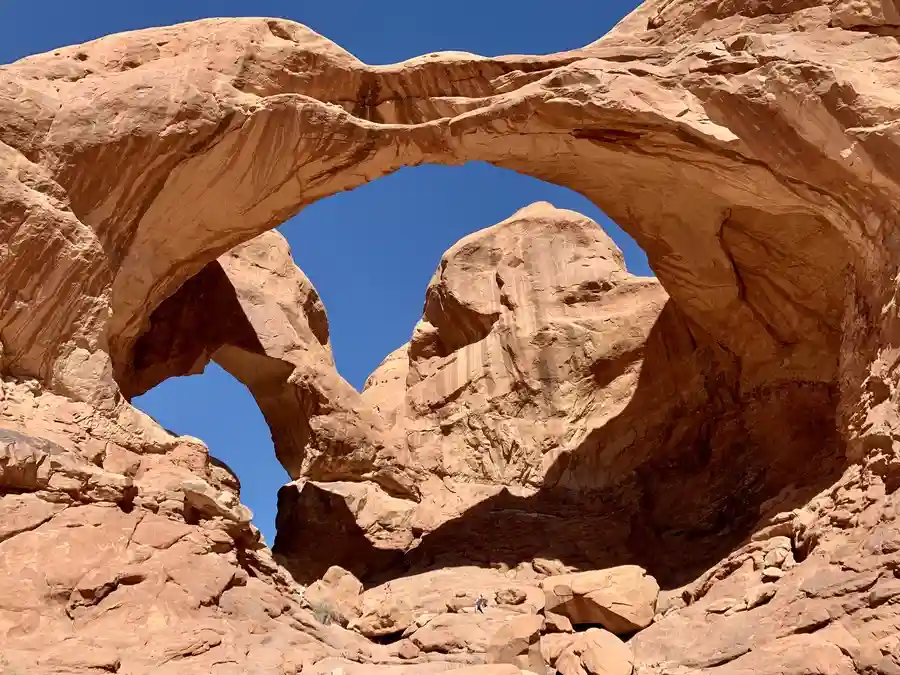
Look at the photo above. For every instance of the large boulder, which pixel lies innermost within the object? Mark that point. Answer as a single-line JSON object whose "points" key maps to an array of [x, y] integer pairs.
{"points": [[394, 606], [596, 652], [518, 642], [334, 597], [622, 599]]}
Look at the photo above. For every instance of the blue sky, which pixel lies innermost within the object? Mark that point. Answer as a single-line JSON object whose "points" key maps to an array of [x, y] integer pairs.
{"points": [[370, 252]]}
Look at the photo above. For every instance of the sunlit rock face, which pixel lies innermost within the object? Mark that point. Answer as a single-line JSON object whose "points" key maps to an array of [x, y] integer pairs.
{"points": [[255, 313], [547, 388], [741, 432]]}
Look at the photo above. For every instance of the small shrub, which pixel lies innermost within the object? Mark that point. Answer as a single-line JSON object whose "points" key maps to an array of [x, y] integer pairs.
{"points": [[323, 612]]}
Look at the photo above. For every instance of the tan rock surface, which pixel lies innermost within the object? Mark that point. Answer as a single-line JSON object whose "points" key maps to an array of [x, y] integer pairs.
{"points": [[596, 652], [547, 385], [518, 643], [392, 607], [621, 599], [256, 95], [749, 147], [256, 314], [516, 316], [554, 644], [499, 387], [335, 595]]}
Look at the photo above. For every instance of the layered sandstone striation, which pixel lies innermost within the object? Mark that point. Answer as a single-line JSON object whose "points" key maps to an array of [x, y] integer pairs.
{"points": [[530, 346], [739, 440], [548, 388]]}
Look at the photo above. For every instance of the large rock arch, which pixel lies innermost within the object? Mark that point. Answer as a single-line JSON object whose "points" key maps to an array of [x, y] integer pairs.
{"points": [[153, 152], [748, 147]]}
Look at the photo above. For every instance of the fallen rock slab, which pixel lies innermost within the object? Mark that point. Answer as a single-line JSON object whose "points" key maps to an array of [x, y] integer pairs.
{"points": [[518, 643], [596, 652], [621, 599]]}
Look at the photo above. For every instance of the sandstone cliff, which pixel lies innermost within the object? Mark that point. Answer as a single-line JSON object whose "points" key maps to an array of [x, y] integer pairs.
{"points": [[748, 146], [547, 388]]}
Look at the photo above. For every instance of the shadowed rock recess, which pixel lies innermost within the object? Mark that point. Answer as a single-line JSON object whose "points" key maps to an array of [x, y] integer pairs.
{"points": [[692, 474]]}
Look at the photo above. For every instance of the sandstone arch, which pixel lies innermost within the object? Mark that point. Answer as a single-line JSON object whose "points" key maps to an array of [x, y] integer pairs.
{"points": [[164, 148], [132, 163], [548, 387], [257, 315], [141, 158]]}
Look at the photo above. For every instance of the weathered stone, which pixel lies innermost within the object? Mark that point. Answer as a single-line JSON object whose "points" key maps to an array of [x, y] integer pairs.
{"points": [[749, 149], [556, 623], [335, 596], [448, 633], [596, 652], [517, 642], [392, 607], [622, 599]]}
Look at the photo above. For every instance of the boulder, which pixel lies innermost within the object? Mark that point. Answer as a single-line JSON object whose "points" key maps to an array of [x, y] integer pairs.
{"points": [[455, 633], [335, 597], [596, 652], [518, 642], [393, 607], [622, 599], [556, 623], [554, 644]]}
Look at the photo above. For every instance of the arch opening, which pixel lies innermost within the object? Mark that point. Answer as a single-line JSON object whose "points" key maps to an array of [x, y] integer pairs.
{"points": [[372, 251], [218, 409], [476, 397], [254, 315]]}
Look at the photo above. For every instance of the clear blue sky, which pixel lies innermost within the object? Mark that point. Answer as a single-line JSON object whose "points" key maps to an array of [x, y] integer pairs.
{"points": [[370, 252]]}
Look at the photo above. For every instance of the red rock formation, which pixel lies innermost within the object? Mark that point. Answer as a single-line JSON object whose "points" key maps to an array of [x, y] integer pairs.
{"points": [[748, 146], [548, 387], [257, 315]]}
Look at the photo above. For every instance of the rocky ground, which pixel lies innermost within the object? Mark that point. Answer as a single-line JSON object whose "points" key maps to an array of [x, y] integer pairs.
{"points": [[692, 474]]}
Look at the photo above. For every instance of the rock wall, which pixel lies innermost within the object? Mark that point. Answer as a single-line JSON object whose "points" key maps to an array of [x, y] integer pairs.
{"points": [[546, 387], [749, 148]]}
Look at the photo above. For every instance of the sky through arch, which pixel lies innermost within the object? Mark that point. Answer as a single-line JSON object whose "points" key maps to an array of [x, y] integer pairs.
{"points": [[369, 252]]}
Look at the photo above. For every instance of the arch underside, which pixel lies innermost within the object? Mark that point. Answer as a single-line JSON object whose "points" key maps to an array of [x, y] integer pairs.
{"points": [[752, 239], [748, 147], [257, 315], [759, 244]]}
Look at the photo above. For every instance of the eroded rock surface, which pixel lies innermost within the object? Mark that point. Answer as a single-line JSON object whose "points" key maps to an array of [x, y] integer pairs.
{"points": [[255, 313], [621, 599], [749, 147], [547, 387]]}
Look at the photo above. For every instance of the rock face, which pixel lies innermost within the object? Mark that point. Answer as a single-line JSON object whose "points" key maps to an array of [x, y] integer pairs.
{"points": [[524, 365], [738, 439], [621, 599], [597, 652], [335, 596], [257, 315], [547, 386]]}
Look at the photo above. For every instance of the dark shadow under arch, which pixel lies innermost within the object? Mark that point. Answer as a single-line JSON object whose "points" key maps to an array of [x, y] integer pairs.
{"points": [[719, 460]]}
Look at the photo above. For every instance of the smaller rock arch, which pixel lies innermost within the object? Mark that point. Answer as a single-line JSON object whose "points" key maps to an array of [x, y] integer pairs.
{"points": [[257, 315]]}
